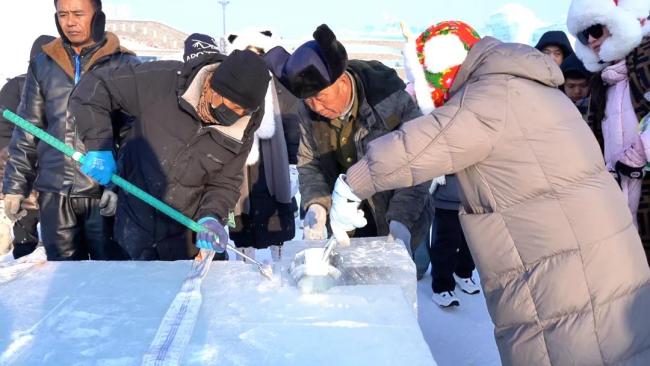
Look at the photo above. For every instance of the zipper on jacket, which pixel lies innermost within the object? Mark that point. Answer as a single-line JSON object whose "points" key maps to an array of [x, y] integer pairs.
{"points": [[77, 68]]}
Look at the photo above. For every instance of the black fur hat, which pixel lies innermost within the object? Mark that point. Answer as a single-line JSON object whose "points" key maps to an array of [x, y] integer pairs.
{"points": [[312, 67]]}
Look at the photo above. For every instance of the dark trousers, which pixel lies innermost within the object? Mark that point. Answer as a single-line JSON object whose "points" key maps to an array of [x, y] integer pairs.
{"points": [[148, 235], [25, 234], [449, 252], [73, 229], [162, 240]]}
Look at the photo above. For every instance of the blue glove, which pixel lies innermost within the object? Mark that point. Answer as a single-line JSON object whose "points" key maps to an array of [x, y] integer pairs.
{"points": [[214, 237], [99, 165]]}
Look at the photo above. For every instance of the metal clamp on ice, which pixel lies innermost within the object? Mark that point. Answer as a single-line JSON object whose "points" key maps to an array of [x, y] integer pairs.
{"points": [[312, 269]]}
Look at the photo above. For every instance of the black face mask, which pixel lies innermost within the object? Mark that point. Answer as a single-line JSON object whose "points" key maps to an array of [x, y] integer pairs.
{"points": [[225, 115]]}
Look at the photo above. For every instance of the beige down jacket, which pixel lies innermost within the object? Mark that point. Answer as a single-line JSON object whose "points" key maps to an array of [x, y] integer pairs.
{"points": [[561, 265]]}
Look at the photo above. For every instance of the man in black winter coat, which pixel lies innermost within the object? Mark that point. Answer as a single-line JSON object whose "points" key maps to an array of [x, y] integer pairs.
{"points": [[74, 211], [25, 235], [347, 104], [556, 45], [193, 131]]}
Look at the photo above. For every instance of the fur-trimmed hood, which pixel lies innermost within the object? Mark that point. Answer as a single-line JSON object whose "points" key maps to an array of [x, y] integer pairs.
{"points": [[621, 17], [57, 52]]}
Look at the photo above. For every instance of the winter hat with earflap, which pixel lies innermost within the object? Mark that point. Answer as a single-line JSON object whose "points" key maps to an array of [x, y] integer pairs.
{"points": [[312, 67], [434, 59], [261, 39], [623, 19], [97, 25]]}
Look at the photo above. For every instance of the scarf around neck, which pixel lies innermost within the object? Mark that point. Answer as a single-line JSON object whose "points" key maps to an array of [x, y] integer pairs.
{"points": [[204, 105]]}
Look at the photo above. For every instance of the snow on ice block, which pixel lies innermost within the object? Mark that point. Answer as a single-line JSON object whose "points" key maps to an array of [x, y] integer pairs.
{"points": [[107, 313], [367, 261]]}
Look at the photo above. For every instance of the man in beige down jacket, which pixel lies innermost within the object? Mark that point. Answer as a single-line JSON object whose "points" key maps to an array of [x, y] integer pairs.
{"points": [[561, 264]]}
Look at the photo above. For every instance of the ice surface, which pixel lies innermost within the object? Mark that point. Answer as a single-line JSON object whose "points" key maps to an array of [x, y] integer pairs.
{"points": [[101, 313], [367, 261]]}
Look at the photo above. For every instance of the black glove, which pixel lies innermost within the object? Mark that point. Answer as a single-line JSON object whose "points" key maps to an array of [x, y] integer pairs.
{"points": [[628, 171]]}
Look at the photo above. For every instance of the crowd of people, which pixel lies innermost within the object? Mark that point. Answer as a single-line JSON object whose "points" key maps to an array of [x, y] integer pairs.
{"points": [[526, 164]]}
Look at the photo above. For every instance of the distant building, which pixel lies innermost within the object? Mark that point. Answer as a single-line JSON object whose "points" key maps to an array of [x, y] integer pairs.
{"points": [[387, 52], [156, 41], [149, 40]]}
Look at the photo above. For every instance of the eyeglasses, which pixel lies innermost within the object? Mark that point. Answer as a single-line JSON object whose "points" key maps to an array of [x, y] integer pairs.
{"points": [[595, 31], [239, 110]]}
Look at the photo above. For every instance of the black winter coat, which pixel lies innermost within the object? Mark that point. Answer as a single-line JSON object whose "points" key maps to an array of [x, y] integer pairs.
{"points": [[383, 107], [44, 102], [268, 221], [169, 153], [289, 106], [10, 99], [555, 38]]}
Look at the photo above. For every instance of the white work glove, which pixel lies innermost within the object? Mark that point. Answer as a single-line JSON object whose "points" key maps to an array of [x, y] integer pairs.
{"points": [[108, 203], [345, 214], [314, 223], [293, 179], [437, 182], [399, 231], [13, 208]]}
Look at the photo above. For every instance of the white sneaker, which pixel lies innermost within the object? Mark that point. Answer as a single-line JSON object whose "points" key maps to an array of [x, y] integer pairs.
{"points": [[467, 285], [445, 299]]}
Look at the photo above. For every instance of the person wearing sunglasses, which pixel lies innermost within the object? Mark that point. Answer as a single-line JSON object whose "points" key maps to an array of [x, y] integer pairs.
{"points": [[612, 42], [193, 130]]}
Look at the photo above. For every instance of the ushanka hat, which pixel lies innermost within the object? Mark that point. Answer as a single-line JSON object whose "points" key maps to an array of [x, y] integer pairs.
{"points": [[622, 18], [312, 67], [434, 58]]}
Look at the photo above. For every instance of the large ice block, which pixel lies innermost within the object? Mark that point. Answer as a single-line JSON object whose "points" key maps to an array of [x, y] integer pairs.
{"points": [[367, 261], [107, 313]]}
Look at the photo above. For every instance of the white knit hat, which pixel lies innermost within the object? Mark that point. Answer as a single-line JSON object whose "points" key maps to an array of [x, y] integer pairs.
{"points": [[259, 38], [622, 19]]}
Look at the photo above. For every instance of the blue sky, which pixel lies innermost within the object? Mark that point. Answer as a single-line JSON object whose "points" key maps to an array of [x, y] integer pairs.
{"points": [[297, 19]]}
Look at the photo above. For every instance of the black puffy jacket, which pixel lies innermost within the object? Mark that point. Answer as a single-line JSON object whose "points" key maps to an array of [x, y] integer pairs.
{"points": [[170, 153], [44, 102]]}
